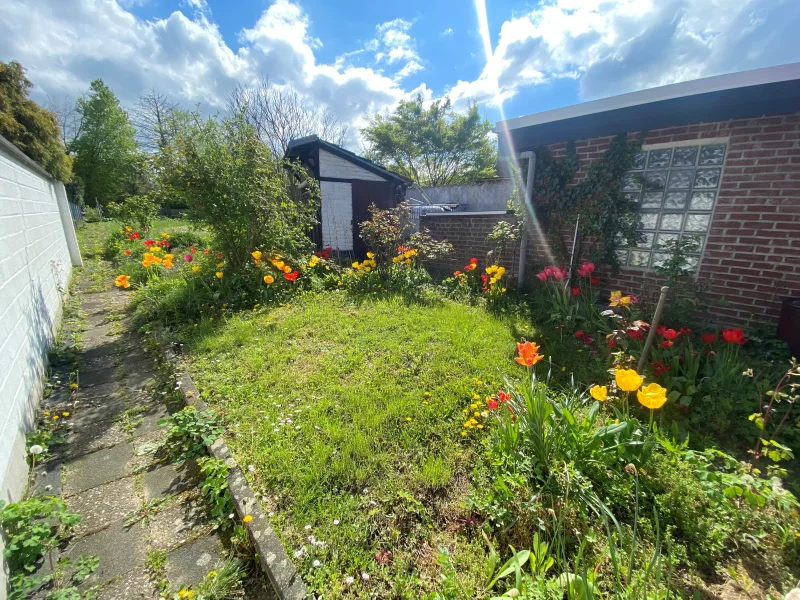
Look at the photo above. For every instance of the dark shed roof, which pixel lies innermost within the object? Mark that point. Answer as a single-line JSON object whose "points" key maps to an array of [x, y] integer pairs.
{"points": [[302, 147], [748, 94]]}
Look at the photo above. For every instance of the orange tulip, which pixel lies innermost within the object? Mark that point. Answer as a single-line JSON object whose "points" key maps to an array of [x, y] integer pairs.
{"points": [[528, 354]]}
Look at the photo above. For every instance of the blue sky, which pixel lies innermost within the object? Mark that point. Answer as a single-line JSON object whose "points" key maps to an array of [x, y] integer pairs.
{"points": [[358, 57]]}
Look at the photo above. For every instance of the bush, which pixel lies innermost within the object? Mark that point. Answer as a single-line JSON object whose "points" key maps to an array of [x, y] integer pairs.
{"points": [[235, 186], [137, 210]]}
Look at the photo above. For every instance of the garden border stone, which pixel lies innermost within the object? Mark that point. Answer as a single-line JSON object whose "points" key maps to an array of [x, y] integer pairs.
{"points": [[270, 553]]}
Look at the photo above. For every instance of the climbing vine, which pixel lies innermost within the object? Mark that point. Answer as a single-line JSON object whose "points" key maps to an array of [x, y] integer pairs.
{"points": [[607, 216]]}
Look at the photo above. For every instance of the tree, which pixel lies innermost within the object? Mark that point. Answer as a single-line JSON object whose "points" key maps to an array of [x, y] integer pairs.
{"points": [[280, 116], [106, 155], [66, 112], [434, 146], [153, 120], [28, 126], [235, 186]]}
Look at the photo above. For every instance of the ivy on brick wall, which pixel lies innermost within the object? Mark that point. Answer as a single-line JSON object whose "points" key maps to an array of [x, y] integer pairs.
{"points": [[607, 216]]}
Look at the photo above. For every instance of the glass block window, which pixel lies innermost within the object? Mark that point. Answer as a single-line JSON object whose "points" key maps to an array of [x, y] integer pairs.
{"points": [[676, 189]]}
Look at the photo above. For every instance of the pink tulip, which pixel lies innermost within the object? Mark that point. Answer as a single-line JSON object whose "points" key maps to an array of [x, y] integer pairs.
{"points": [[542, 276], [188, 258]]}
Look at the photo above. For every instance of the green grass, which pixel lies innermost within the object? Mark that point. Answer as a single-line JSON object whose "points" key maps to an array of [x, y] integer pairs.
{"points": [[327, 401]]}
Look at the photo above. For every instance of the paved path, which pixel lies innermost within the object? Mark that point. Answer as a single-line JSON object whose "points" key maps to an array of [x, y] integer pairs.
{"points": [[137, 508]]}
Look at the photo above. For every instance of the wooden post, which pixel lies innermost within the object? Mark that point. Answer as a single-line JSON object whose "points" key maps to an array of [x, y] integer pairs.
{"points": [[652, 333]]}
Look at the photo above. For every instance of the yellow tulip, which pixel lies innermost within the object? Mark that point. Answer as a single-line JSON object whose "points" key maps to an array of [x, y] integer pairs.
{"points": [[219, 274], [628, 380], [599, 393], [652, 396]]}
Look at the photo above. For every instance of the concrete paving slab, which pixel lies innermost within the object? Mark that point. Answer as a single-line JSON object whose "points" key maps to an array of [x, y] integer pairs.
{"points": [[97, 468], [170, 479], [104, 504], [182, 520], [46, 480], [121, 550], [148, 422], [93, 377], [93, 437], [190, 563], [134, 585]]}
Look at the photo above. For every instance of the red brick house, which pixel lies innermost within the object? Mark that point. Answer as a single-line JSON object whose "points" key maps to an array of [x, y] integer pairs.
{"points": [[721, 157]]}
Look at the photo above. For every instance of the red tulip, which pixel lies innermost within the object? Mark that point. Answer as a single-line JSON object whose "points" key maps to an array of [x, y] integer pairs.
{"points": [[669, 334], [291, 276], [709, 338], [734, 336], [493, 404], [612, 343], [635, 333], [549, 271], [586, 269], [473, 261], [560, 274], [542, 276], [660, 330], [595, 280], [576, 291], [667, 344], [503, 396], [685, 331], [579, 335]]}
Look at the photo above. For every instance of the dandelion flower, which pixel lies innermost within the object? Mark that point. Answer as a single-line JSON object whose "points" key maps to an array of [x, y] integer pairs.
{"points": [[316, 564], [349, 580], [247, 519], [36, 449], [365, 576]]}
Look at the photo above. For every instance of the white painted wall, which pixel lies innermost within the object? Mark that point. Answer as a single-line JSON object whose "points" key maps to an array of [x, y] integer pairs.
{"points": [[486, 195], [331, 165], [37, 251], [337, 215], [337, 199]]}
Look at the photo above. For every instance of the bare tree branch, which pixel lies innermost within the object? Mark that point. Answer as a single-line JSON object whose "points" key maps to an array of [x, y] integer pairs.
{"points": [[150, 117], [65, 109], [280, 115]]}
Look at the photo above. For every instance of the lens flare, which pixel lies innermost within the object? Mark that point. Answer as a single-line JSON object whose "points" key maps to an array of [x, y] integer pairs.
{"points": [[540, 239]]}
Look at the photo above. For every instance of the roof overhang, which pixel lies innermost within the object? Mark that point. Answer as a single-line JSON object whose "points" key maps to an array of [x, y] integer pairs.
{"points": [[768, 91], [300, 148]]}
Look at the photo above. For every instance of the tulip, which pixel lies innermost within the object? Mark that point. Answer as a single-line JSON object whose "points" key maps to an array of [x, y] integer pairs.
{"points": [[628, 380], [542, 276], [528, 354], [599, 393], [576, 291], [709, 338], [734, 336], [652, 396]]}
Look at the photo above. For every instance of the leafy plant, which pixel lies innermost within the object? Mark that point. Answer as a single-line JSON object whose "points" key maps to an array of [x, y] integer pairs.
{"points": [[189, 431], [214, 488]]}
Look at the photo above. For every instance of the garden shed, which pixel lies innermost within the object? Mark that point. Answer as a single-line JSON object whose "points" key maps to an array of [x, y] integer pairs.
{"points": [[349, 184], [720, 162]]}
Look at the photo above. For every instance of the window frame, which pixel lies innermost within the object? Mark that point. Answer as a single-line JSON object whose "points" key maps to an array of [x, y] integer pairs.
{"points": [[699, 142]]}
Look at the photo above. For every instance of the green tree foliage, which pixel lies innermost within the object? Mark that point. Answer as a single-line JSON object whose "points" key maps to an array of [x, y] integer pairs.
{"points": [[233, 184], [28, 126], [106, 155], [433, 146]]}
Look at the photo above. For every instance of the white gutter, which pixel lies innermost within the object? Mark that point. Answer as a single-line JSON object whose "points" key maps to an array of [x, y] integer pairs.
{"points": [[527, 216]]}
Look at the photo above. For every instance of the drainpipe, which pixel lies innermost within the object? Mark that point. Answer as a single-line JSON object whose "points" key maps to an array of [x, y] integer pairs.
{"points": [[527, 215]]}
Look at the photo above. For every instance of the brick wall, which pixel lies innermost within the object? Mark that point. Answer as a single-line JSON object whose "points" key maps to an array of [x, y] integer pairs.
{"points": [[752, 254], [468, 233]]}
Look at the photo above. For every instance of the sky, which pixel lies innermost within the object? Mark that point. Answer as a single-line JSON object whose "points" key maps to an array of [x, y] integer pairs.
{"points": [[359, 57]]}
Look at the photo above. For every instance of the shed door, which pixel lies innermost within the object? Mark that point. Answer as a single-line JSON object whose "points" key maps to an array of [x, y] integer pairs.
{"points": [[379, 193]]}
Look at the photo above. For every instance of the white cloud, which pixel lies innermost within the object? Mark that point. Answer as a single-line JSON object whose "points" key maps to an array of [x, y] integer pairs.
{"points": [[615, 46], [448, 31], [66, 43]]}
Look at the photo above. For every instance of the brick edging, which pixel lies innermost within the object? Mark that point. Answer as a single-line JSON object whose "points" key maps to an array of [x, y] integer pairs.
{"points": [[271, 555]]}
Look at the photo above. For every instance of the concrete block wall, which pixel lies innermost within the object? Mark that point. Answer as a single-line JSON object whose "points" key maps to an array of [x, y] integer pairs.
{"points": [[37, 251], [488, 195]]}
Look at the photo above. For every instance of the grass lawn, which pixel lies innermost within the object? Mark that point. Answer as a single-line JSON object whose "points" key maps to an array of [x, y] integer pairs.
{"points": [[353, 415]]}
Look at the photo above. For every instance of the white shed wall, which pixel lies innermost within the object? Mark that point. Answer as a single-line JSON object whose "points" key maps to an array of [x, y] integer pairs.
{"points": [[337, 215], [331, 165], [36, 245]]}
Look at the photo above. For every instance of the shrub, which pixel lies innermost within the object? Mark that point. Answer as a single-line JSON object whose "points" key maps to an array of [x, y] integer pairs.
{"points": [[238, 189], [138, 210]]}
